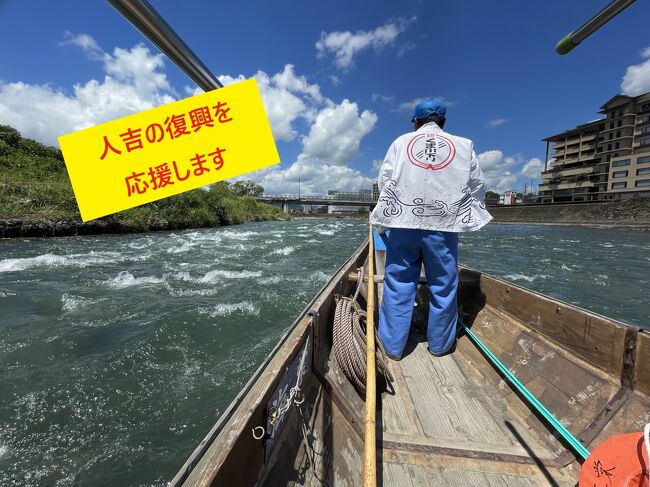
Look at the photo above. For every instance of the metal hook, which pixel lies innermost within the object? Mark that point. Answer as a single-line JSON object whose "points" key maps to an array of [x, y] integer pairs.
{"points": [[261, 435]]}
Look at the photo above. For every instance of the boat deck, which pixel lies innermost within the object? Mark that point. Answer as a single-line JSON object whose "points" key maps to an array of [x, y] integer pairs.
{"points": [[451, 420], [446, 425]]}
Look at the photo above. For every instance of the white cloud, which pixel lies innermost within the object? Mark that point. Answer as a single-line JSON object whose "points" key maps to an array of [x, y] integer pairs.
{"points": [[134, 82], [287, 98], [331, 144], [344, 45], [533, 168], [315, 178], [637, 78], [335, 80], [384, 98], [85, 42], [505, 173], [376, 165], [496, 122], [409, 106], [335, 135]]}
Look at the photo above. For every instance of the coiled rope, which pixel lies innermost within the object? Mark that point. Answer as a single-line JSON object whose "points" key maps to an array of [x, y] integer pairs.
{"points": [[349, 340]]}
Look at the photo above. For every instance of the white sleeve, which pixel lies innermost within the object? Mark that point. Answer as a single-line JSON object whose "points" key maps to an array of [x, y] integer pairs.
{"points": [[476, 180], [387, 167]]}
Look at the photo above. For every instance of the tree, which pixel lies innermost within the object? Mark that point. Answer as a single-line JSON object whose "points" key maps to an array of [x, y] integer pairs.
{"points": [[247, 188], [492, 194]]}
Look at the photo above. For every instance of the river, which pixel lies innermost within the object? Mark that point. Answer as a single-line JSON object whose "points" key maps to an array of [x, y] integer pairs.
{"points": [[118, 353]]}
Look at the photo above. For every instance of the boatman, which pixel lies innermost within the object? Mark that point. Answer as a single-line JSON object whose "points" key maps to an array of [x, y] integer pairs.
{"points": [[430, 189]]}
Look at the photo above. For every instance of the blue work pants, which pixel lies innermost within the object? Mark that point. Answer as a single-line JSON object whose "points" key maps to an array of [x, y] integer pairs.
{"points": [[406, 250]]}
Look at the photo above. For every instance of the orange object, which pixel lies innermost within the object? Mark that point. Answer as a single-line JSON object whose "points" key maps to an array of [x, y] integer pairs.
{"points": [[620, 461]]}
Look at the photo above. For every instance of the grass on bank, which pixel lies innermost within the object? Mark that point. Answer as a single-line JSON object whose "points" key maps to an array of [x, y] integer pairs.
{"points": [[34, 186]]}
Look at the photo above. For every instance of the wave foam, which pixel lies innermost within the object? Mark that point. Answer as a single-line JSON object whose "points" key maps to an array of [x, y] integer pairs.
{"points": [[70, 302], [283, 251], [184, 247], [226, 309], [212, 276], [320, 276], [238, 235], [519, 277], [126, 279], [53, 260]]}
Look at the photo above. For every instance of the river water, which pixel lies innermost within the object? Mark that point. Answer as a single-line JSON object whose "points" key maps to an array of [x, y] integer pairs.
{"points": [[118, 353]]}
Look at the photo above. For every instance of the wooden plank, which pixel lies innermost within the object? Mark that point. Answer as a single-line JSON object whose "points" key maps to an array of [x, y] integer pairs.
{"points": [[457, 412], [642, 363], [572, 389], [597, 339], [440, 470], [398, 414]]}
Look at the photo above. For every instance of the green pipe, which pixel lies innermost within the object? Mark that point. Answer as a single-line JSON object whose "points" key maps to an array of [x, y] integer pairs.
{"points": [[532, 400]]}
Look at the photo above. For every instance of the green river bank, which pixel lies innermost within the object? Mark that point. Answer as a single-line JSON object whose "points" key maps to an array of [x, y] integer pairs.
{"points": [[36, 199]]}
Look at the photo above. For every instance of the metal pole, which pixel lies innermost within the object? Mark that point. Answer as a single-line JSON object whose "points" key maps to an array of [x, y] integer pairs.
{"points": [[592, 25], [149, 22]]}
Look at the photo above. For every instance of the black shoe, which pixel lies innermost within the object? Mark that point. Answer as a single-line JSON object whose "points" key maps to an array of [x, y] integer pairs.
{"points": [[396, 359]]}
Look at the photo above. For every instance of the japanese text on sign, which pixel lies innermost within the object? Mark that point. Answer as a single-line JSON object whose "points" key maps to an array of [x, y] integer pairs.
{"points": [[169, 150]]}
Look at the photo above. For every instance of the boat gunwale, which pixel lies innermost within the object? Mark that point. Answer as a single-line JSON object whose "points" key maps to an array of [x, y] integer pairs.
{"points": [[573, 306], [207, 441]]}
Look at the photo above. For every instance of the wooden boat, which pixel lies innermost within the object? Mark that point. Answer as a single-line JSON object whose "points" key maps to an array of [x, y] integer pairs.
{"points": [[449, 421]]}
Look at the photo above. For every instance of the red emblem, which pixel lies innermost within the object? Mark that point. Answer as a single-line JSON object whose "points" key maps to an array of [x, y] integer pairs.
{"points": [[431, 151]]}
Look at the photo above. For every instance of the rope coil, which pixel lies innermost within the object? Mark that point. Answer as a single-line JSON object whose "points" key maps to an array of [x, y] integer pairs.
{"points": [[349, 340]]}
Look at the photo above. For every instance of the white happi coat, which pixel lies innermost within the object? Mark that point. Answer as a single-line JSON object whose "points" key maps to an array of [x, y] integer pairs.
{"points": [[431, 180]]}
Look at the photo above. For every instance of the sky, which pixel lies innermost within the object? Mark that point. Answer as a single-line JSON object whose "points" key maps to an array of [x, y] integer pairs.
{"points": [[339, 79]]}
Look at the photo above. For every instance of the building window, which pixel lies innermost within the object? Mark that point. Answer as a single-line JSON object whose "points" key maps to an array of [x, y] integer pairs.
{"points": [[643, 160], [620, 185], [609, 158], [645, 141], [645, 130], [610, 136], [624, 162], [618, 144], [618, 134], [620, 122], [619, 174], [609, 147], [644, 119], [643, 172], [611, 125], [642, 183]]}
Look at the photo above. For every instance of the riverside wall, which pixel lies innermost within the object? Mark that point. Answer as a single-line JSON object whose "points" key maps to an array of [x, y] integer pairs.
{"points": [[634, 212]]}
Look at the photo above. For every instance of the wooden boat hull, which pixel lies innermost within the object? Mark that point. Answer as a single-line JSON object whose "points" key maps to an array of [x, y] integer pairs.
{"points": [[451, 420]]}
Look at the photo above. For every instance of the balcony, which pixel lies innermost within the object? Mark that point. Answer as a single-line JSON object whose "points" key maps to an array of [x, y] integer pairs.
{"points": [[581, 184], [586, 138], [575, 172]]}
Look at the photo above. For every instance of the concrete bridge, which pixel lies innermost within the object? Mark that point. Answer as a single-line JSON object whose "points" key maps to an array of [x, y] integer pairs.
{"points": [[286, 199]]}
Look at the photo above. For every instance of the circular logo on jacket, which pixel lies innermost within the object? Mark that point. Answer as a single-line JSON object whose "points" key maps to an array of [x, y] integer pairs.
{"points": [[431, 151]]}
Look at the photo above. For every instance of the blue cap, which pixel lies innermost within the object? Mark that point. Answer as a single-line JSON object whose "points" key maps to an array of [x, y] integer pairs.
{"points": [[429, 107]]}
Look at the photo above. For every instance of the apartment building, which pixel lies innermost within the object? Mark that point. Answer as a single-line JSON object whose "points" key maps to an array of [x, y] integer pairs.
{"points": [[608, 158]]}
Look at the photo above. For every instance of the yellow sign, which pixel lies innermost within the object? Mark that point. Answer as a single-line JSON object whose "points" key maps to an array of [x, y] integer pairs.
{"points": [[169, 149]]}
